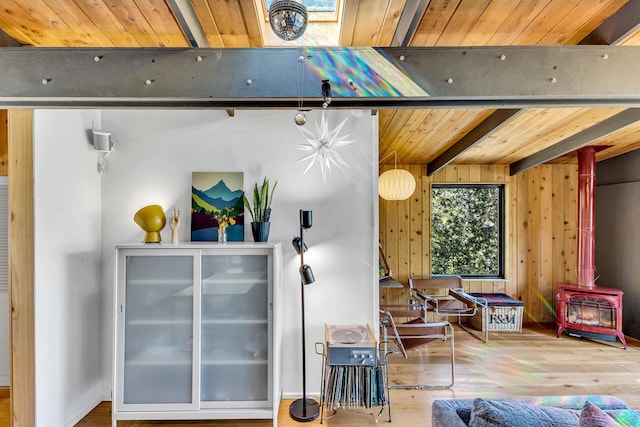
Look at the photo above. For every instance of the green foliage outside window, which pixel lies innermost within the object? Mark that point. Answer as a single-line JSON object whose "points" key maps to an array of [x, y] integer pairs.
{"points": [[467, 235]]}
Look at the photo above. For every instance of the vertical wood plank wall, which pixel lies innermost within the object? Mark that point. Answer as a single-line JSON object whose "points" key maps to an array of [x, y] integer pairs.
{"points": [[540, 232], [21, 274]]}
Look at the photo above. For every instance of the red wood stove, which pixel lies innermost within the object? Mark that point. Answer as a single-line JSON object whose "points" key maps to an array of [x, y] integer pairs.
{"points": [[584, 309], [590, 313]]}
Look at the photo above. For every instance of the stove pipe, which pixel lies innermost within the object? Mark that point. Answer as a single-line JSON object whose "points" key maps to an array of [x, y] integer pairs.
{"points": [[586, 217]]}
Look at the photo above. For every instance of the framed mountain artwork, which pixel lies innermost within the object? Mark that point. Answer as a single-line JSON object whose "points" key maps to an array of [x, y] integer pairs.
{"points": [[216, 201]]}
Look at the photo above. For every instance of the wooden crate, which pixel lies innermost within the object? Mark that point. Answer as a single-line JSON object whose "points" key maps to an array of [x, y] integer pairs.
{"points": [[505, 313]]}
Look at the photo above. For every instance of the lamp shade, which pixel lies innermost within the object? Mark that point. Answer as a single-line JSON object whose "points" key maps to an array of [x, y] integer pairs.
{"points": [[288, 18], [152, 220], [296, 245], [306, 219], [396, 184], [306, 274]]}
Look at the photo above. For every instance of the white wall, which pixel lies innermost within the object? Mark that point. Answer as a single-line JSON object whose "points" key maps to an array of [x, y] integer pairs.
{"points": [[155, 154], [68, 324], [81, 215]]}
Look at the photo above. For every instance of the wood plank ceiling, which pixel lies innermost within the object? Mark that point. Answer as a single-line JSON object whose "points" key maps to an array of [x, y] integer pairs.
{"points": [[418, 136]]}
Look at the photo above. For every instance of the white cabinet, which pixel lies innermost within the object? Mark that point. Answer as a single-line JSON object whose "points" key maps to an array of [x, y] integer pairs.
{"points": [[197, 331]]}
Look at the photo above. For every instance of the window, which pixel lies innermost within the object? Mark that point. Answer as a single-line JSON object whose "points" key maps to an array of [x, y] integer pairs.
{"points": [[467, 230]]}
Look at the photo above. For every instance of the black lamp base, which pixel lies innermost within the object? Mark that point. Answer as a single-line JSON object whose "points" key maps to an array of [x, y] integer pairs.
{"points": [[298, 412]]}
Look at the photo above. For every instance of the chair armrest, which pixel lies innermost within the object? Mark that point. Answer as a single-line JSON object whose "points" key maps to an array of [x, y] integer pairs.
{"points": [[426, 331], [462, 304], [405, 310], [464, 297], [428, 300]]}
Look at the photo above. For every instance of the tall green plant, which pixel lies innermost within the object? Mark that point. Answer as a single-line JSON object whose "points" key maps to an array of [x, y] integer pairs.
{"points": [[261, 211]]}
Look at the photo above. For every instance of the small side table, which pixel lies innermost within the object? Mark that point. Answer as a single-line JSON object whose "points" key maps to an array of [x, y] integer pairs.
{"points": [[351, 375]]}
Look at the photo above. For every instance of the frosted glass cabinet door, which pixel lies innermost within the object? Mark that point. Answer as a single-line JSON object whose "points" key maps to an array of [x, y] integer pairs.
{"points": [[235, 330], [158, 329]]}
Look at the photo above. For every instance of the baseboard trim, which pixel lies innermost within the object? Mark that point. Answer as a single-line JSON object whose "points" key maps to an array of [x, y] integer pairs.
{"points": [[92, 402]]}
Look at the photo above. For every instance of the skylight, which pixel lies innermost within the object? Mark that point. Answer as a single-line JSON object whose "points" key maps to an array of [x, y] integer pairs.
{"points": [[323, 28], [319, 10]]}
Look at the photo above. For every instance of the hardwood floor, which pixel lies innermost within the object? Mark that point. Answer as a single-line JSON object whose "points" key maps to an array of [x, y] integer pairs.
{"points": [[533, 362], [5, 420]]}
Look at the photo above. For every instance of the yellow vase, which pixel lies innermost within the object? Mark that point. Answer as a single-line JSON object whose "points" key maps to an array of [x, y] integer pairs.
{"points": [[152, 220]]}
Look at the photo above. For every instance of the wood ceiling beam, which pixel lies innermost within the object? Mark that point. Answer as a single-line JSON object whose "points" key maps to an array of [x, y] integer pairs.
{"points": [[611, 32], [189, 23], [495, 121], [624, 22], [617, 27], [403, 77], [409, 21], [581, 139]]}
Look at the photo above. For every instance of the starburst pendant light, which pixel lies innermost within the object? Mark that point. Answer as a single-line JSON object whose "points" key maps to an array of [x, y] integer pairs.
{"points": [[396, 184], [288, 18], [322, 146]]}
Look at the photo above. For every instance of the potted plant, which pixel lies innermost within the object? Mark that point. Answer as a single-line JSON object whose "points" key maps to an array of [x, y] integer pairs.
{"points": [[261, 211]]}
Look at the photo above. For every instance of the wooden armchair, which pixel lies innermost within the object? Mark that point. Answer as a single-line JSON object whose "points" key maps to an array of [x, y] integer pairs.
{"points": [[444, 296]]}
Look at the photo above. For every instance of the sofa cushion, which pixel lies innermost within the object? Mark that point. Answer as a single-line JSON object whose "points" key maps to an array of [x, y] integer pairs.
{"points": [[497, 413], [625, 417], [592, 416], [451, 413], [578, 401], [457, 412]]}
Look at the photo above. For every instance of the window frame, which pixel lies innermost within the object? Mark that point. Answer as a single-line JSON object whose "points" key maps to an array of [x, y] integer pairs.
{"points": [[502, 240]]}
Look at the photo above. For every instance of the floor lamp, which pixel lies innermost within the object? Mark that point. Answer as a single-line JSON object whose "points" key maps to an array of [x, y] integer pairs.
{"points": [[304, 409]]}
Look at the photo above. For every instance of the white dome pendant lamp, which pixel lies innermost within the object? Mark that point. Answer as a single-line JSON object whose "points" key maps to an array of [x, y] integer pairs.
{"points": [[396, 184]]}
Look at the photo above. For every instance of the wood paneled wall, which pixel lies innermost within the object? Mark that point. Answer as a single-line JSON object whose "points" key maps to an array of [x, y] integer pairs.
{"points": [[541, 221], [21, 268]]}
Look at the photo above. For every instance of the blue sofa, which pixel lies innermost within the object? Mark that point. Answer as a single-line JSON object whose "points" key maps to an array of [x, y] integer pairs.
{"points": [[527, 411]]}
